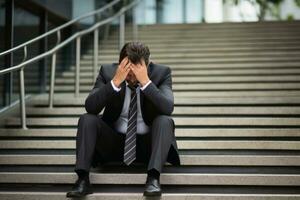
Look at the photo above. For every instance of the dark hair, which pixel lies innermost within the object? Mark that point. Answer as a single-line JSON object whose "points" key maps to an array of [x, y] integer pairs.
{"points": [[135, 52]]}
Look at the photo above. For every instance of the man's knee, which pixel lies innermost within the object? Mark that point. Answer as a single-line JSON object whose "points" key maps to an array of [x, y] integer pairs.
{"points": [[88, 119], [163, 120]]}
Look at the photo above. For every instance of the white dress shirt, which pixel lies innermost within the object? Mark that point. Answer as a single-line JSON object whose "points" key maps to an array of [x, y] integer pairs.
{"points": [[122, 122]]}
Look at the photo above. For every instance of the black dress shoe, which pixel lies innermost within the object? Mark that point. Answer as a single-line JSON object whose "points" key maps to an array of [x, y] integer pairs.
{"points": [[152, 187], [81, 188]]}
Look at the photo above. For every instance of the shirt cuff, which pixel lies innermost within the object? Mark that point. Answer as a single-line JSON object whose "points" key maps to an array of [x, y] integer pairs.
{"points": [[145, 86], [115, 88]]}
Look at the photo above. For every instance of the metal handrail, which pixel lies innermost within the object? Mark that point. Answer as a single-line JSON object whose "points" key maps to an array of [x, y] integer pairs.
{"points": [[59, 45]]}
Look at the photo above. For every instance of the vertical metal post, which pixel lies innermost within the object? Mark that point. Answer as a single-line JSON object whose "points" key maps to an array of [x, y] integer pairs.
{"points": [[159, 11], [9, 43], [43, 27], [22, 99], [184, 13], [134, 25], [122, 31], [78, 41], [52, 79], [203, 19], [96, 44]]}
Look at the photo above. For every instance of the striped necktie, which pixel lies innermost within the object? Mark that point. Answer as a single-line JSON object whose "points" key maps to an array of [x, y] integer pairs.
{"points": [[130, 141]]}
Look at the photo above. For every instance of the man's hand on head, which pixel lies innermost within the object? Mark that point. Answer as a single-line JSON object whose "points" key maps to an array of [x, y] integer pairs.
{"points": [[140, 72], [121, 72]]}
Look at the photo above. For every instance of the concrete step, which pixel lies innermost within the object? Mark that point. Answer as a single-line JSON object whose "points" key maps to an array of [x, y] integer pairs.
{"points": [[189, 93], [182, 144], [165, 178], [192, 94], [207, 46], [197, 33], [105, 49], [213, 43], [264, 25], [197, 79], [63, 99], [208, 86], [210, 48], [249, 93], [178, 81], [217, 28], [183, 110], [188, 160], [225, 32], [210, 60], [204, 94], [168, 38], [198, 53], [86, 71], [182, 59], [180, 132], [191, 86], [179, 121], [139, 196], [212, 72], [87, 66], [200, 79], [190, 66], [184, 54]]}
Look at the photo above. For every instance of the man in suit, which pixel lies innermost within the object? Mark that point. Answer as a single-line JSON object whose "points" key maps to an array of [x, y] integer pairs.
{"points": [[136, 126]]}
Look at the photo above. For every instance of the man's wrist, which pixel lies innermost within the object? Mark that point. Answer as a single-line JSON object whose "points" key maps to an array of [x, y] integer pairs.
{"points": [[145, 85], [116, 83], [117, 89]]}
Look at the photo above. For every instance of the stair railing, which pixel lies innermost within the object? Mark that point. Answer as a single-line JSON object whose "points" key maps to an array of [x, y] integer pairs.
{"points": [[76, 36]]}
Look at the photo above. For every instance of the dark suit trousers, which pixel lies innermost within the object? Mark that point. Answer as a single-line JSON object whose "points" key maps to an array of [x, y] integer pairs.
{"points": [[97, 142]]}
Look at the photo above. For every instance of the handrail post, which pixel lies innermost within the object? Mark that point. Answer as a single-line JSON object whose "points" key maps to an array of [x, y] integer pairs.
{"points": [[96, 44], [22, 99], [52, 80], [134, 25], [78, 41], [122, 31]]}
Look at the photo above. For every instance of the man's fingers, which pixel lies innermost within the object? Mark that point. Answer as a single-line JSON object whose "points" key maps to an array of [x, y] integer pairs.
{"points": [[129, 63], [124, 61], [134, 65], [133, 69], [127, 68]]}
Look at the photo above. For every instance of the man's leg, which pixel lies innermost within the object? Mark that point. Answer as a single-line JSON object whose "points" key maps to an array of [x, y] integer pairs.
{"points": [[162, 135], [93, 134]]}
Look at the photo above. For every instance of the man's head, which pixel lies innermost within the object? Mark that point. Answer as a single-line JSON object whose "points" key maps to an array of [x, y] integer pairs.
{"points": [[136, 52]]}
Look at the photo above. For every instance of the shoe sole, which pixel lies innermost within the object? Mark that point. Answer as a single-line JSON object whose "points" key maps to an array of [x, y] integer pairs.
{"points": [[151, 194], [79, 195]]}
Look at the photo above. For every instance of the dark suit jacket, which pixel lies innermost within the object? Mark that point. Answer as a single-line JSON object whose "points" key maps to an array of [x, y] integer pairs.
{"points": [[156, 99]]}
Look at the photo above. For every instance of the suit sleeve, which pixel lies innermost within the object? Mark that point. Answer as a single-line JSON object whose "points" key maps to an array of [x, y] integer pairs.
{"points": [[161, 96], [101, 93]]}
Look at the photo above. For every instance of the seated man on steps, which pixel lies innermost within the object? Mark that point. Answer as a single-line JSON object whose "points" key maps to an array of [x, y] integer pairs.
{"points": [[136, 126]]}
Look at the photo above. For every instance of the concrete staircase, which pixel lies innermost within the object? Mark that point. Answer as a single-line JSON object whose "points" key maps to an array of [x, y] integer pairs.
{"points": [[237, 115]]}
